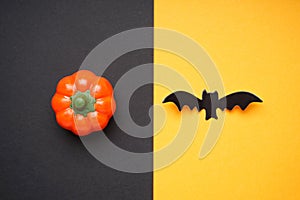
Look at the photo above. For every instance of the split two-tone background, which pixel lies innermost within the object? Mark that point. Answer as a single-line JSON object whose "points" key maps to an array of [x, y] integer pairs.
{"points": [[255, 47]]}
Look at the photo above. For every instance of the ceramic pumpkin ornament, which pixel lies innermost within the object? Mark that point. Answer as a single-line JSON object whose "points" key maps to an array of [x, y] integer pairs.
{"points": [[83, 102]]}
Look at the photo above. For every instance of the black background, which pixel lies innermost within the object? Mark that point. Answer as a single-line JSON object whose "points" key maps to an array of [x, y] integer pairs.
{"points": [[40, 42]]}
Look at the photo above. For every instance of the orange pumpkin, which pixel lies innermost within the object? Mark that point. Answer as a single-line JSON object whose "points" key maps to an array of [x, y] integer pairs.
{"points": [[83, 102]]}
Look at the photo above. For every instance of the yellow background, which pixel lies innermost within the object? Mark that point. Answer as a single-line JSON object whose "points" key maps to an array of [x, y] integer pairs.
{"points": [[256, 47]]}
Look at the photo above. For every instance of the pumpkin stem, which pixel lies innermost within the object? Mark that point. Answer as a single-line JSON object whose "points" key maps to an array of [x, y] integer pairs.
{"points": [[83, 103]]}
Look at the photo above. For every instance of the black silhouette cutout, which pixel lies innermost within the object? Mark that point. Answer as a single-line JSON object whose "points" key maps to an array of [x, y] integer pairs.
{"points": [[210, 101]]}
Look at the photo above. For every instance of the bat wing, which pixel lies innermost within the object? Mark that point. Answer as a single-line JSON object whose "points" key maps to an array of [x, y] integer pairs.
{"points": [[181, 98], [241, 99]]}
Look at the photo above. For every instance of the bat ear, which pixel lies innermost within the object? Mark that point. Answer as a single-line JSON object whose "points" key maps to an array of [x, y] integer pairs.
{"points": [[216, 94], [204, 92]]}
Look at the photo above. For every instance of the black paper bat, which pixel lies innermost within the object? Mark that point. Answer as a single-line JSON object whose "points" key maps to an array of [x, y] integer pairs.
{"points": [[210, 101]]}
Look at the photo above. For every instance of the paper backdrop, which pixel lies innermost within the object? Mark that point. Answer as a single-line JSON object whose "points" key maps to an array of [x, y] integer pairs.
{"points": [[255, 46]]}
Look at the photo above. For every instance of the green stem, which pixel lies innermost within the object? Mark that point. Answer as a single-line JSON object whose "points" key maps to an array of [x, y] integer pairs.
{"points": [[83, 103]]}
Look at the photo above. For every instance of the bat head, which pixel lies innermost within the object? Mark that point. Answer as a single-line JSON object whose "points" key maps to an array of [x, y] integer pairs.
{"points": [[210, 96]]}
